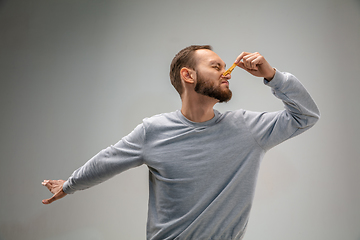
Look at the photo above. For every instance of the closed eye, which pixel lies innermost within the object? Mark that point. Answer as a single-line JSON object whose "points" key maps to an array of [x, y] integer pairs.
{"points": [[217, 65]]}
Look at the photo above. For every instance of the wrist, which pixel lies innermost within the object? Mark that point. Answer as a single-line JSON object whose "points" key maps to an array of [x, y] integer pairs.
{"points": [[271, 75]]}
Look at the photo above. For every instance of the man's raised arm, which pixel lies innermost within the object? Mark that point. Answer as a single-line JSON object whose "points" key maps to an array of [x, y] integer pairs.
{"points": [[300, 111]]}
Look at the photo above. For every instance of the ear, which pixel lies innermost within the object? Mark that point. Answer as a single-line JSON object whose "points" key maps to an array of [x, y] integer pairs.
{"points": [[187, 75]]}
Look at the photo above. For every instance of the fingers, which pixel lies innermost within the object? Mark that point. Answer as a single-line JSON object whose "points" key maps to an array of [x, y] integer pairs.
{"points": [[250, 61], [53, 185], [45, 182], [255, 64], [240, 57], [49, 184]]}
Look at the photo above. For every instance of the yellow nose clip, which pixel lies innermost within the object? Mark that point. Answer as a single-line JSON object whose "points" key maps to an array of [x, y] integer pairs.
{"points": [[229, 70]]}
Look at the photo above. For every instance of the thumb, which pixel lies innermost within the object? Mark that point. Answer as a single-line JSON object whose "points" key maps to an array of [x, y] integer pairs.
{"points": [[55, 197], [48, 201]]}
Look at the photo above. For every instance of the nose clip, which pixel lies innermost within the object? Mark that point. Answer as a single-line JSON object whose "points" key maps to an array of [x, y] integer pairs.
{"points": [[230, 69]]}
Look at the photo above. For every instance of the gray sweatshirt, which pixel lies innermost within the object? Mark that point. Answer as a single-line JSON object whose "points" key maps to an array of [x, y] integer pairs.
{"points": [[202, 176]]}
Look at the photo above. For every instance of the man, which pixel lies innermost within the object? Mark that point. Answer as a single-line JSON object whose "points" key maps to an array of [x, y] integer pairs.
{"points": [[203, 164]]}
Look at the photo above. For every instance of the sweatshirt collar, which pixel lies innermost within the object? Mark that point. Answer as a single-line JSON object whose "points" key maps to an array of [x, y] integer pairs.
{"points": [[199, 124]]}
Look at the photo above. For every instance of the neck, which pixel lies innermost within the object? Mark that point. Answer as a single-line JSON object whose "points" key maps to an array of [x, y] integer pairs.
{"points": [[198, 108]]}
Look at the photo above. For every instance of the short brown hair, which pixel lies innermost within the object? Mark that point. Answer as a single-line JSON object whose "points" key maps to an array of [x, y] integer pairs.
{"points": [[184, 58]]}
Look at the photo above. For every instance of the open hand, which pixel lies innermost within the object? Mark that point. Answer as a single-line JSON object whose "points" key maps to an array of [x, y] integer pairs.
{"points": [[255, 64], [55, 187]]}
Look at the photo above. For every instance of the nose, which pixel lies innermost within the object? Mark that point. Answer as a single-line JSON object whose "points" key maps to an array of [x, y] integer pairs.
{"points": [[227, 76]]}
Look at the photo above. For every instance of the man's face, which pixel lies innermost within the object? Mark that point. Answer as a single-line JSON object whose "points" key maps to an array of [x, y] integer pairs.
{"points": [[210, 81]]}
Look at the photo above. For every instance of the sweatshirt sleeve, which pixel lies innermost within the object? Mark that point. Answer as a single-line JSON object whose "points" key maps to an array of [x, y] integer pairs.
{"points": [[125, 154], [300, 112]]}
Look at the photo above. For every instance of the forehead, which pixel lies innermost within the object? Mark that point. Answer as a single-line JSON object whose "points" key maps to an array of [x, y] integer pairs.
{"points": [[205, 56]]}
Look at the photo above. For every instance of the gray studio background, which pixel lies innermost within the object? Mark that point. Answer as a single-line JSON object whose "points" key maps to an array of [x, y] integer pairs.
{"points": [[76, 76]]}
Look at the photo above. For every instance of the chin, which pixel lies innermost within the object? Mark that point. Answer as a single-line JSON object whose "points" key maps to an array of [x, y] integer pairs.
{"points": [[225, 99]]}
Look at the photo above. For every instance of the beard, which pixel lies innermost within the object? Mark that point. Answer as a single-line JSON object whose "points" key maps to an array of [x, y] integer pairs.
{"points": [[208, 88]]}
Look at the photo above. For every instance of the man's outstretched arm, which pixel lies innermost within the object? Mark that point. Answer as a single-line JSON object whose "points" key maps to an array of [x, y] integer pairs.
{"points": [[55, 187], [125, 154]]}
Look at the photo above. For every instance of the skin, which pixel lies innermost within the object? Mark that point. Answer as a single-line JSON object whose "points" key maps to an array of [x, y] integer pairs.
{"points": [[195, 106], [56, 188]]}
